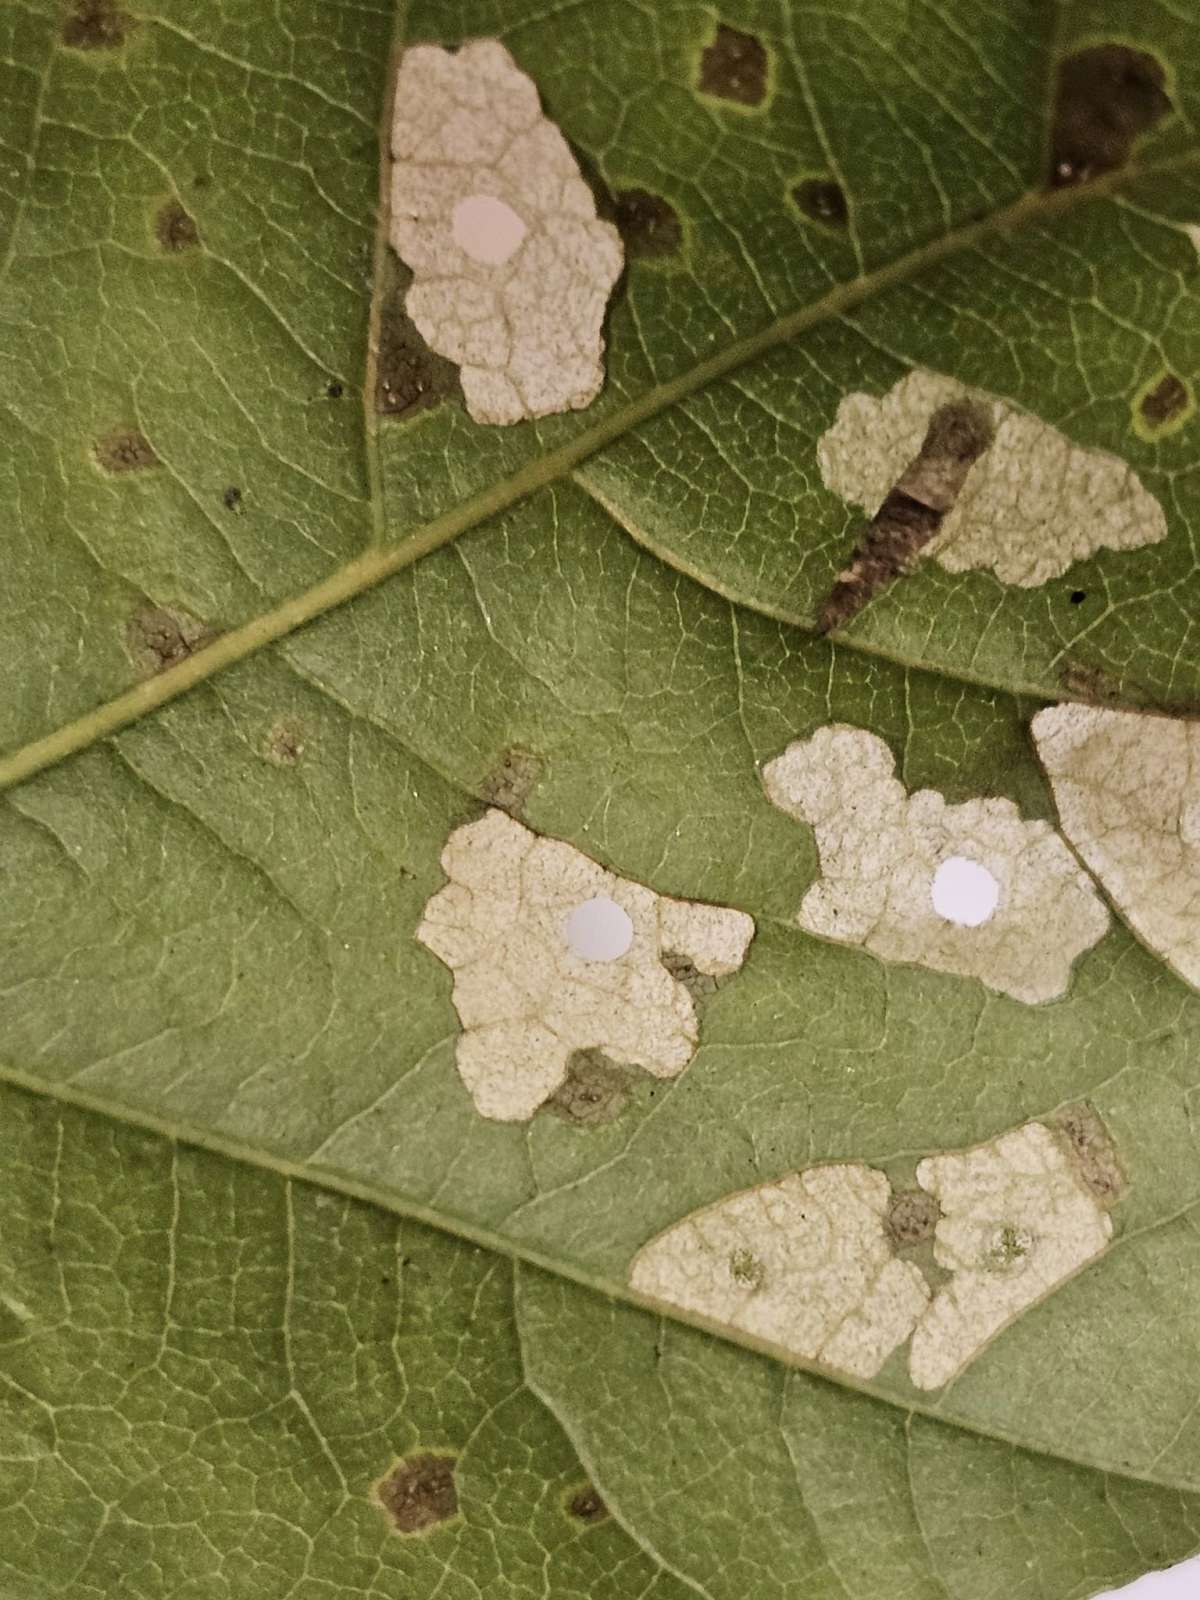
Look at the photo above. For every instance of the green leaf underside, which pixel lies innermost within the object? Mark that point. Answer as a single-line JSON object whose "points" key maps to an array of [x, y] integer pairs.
{"points": [[204, 934]]}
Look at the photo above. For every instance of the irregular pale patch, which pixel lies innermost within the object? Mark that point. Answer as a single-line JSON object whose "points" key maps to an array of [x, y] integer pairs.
{"points": [[805, 1263], [1031, 505], [512, 268], [1016, 1221], [509, 924], [1127, 787], [882, 853]]}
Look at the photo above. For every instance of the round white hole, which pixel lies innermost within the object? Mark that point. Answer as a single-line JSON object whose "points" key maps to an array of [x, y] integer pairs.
{"points": [[599, 929], [487, 229], [964, 892]]}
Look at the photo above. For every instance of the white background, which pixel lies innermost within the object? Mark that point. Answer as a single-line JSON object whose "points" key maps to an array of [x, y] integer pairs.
{"points": [[1180, 1583]]}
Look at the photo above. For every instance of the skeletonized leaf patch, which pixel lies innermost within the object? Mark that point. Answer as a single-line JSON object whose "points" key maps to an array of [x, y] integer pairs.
{"points": [[512, 268], [972, 889], [552, 954], [1032, 503], [1127, 787]]}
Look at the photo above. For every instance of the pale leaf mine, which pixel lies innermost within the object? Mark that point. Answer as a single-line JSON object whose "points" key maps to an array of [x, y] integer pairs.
{"points": [[1028, 508], [1127, 788], [885, 854], [804, 1263], [512, 269], [1016, 1221], [508, 924]]}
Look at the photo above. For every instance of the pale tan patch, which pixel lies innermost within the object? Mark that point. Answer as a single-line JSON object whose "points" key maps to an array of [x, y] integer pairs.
{"points": [[1017, 1220], [805, 1263], [512, 268], [1127, 788], [880, 849], [1029, 507], [527, 1001]]}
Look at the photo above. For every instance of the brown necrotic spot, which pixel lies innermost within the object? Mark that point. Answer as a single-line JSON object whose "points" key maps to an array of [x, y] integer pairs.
{"points": [[734, 67], [912, 511], [1107, 95], [823, 201], [124, 450], [1093, 1151], [419, 1492], [586, 1505], [911, 1217], [409, 377], [95, 25], [175, 229], [512, 780], [648, 226], [284, 744], [595, 1090], [1163, 405], [159, 637], [698, 984]]}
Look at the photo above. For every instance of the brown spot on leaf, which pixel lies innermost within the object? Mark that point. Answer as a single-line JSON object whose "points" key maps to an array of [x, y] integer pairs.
{"points": [[124, 450], [409, 377], [698, 984], [1090, 684], [911, 1218], [284, 744], [231, 498], [159, 637], [1165, 404], [96, 25], [587, 1505], [595, 1090], [1094, 1153], [734, 67], [1107, 95], [913, 510], [648, 226], [822, 200], [175, 229], [512, 780], [746, 1269], [419, 1492]]}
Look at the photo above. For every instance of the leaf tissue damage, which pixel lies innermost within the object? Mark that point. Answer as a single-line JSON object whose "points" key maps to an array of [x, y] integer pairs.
{"points": [[96, 25], [734, 67], [419, 1492], [159, 637], [1107, 97]]}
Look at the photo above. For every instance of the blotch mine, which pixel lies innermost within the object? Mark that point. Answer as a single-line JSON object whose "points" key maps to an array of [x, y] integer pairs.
{"points": [[96, 25], [734, 67], [648, 225], [586, 1505], [175, 229], [1093, 1150], [419, 1492], [124, 450], [512, 780], [911, 1218], [1163, 405], [822, 200], [594, 1091], [409, 376], [1106, 97], [160, 637]]}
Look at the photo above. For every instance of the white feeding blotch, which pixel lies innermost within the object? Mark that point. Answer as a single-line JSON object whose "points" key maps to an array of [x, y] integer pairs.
{"points": [[804, 1263], [885, 855], [1017, 1219], [512, 268], [1029, 507], [552, 954], [1127, 787]]}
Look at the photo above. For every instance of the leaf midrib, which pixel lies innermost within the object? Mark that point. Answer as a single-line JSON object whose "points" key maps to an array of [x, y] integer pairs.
{"points": [[375, 565]]}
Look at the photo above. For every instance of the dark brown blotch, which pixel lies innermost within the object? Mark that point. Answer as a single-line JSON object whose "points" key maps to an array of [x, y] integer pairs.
{"points": [[419, 1492], [1093, 685], [1106, 97], [586, 1505], [698, 984], [913, 510], [1166, 402], [125, 450], [911, 1218], [648, 226], [1093, 1151], [822, 200], [175, 229], [96, 25], [734, 67], [594, 1091], [409, 376], [160, 637], [512, 780]]}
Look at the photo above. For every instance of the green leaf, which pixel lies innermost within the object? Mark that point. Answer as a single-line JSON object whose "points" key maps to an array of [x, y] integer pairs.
{"points": [[211, 898]]}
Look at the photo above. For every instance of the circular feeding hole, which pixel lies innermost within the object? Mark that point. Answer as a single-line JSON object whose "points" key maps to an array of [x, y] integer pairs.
{"points": [[964, 892], [487, 229], [599, 930]]}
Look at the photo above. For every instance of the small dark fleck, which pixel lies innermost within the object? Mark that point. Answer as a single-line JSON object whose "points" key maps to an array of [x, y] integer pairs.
{"points": [[1107, 96], [734, 67], [125, 450], [96, 25], [648, 226], [419, 1492], [595, 1090], [587, 1505], [1078, 596], [823, 201], [1166, 402], [232, 498], [175, 229], [335, 391]]}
